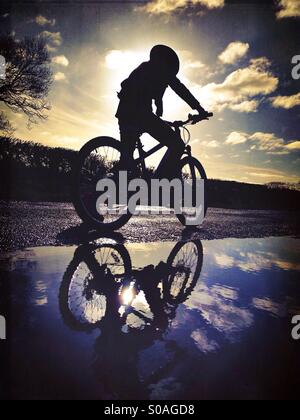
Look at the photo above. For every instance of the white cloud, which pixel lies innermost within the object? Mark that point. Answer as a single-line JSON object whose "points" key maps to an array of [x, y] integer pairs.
{"points": [[286, 102], [267, 305], [246, 106], [254, 262], [188, 62], [211, 4], [234, 52], [295, 145], [61, 60], [194, 65], [60, 77], [224, 261], [265, 142], [236, 138], [221, 313], [157, 7], [240, 87], [54, 39], [288, 9], [211, 144], [203, 343], [43, 21]]}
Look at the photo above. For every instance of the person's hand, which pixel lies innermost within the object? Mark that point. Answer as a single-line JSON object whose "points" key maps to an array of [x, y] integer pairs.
{"points": [[201, 116], [203, 113]]}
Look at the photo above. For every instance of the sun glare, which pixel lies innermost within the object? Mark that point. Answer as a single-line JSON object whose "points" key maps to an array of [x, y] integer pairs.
{"points": [[127, 295], [122, 63]]}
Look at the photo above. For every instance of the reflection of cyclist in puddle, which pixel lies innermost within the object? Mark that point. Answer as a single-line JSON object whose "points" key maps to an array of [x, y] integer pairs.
{"points": [[132, 307]]}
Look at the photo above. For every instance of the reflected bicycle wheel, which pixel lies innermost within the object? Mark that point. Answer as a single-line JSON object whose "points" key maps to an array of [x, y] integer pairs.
{"points": [[184, 264], [91, 278]]}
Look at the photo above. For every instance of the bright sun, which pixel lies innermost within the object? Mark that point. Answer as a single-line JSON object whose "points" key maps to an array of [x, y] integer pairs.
{"points": [[121, 63]]}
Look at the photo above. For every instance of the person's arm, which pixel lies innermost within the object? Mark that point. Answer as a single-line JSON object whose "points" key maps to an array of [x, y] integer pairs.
{"points": [[183, 92], [159, 107]]}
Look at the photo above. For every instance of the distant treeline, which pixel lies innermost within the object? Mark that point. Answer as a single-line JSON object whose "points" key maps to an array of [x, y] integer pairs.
{"points": [[32, 172]]}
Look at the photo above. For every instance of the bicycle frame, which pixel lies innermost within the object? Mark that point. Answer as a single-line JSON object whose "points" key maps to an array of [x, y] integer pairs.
{"points": [[144, 155]]}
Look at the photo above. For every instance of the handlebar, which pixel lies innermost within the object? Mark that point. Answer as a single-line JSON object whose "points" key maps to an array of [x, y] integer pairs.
{"points": [[192, 119]]}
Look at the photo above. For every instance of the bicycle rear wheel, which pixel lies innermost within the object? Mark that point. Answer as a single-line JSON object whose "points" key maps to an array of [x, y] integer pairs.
{"points": [[192, 171], [98, 160], [90, 284]]}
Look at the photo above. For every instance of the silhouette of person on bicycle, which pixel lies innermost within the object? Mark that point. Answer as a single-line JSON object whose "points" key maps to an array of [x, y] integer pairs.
{"points": [[146, 84], [105, 159]]}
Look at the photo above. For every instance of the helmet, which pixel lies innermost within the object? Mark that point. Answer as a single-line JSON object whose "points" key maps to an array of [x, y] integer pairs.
{"points": [[166, 57]]}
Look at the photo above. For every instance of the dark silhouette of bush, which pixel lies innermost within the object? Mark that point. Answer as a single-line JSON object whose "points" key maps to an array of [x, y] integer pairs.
{"points": [[234, 195], [33, 172]]}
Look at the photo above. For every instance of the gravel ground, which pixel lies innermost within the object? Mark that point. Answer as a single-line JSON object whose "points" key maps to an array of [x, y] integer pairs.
{"points": [[24, 225]]}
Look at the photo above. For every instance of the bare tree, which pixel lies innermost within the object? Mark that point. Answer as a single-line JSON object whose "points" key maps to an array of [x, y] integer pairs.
{"points": [[5, 125], [27, 80]]}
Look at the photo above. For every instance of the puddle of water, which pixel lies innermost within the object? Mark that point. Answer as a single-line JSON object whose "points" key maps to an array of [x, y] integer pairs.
{"points": [[154, 321]]}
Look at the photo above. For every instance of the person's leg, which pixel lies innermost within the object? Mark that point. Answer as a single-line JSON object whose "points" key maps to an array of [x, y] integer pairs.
{"points": [[163, 133], [129, 136]]}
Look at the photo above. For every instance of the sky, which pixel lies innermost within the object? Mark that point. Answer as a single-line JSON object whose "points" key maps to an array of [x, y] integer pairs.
{"points": [[236, 58]]}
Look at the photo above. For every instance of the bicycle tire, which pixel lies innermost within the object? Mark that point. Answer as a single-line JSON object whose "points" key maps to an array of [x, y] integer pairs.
{"points": [[185, 292], [82, 212], [189, 160], [84, 254]]}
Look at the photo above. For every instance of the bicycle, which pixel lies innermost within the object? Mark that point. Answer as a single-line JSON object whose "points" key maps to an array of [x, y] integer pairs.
{"points": [[126, 309], [100, 159], [101, 279]]}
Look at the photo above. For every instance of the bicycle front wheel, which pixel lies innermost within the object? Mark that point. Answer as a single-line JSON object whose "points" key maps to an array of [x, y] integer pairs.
{"points": [[98, 160], [192, 171], [184, 267]]}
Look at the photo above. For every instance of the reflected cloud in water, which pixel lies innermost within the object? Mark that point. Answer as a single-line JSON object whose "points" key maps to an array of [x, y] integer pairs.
{"points": [[203, 343], [154, 321], [249, 260], [220, 311], [276, 309]]}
